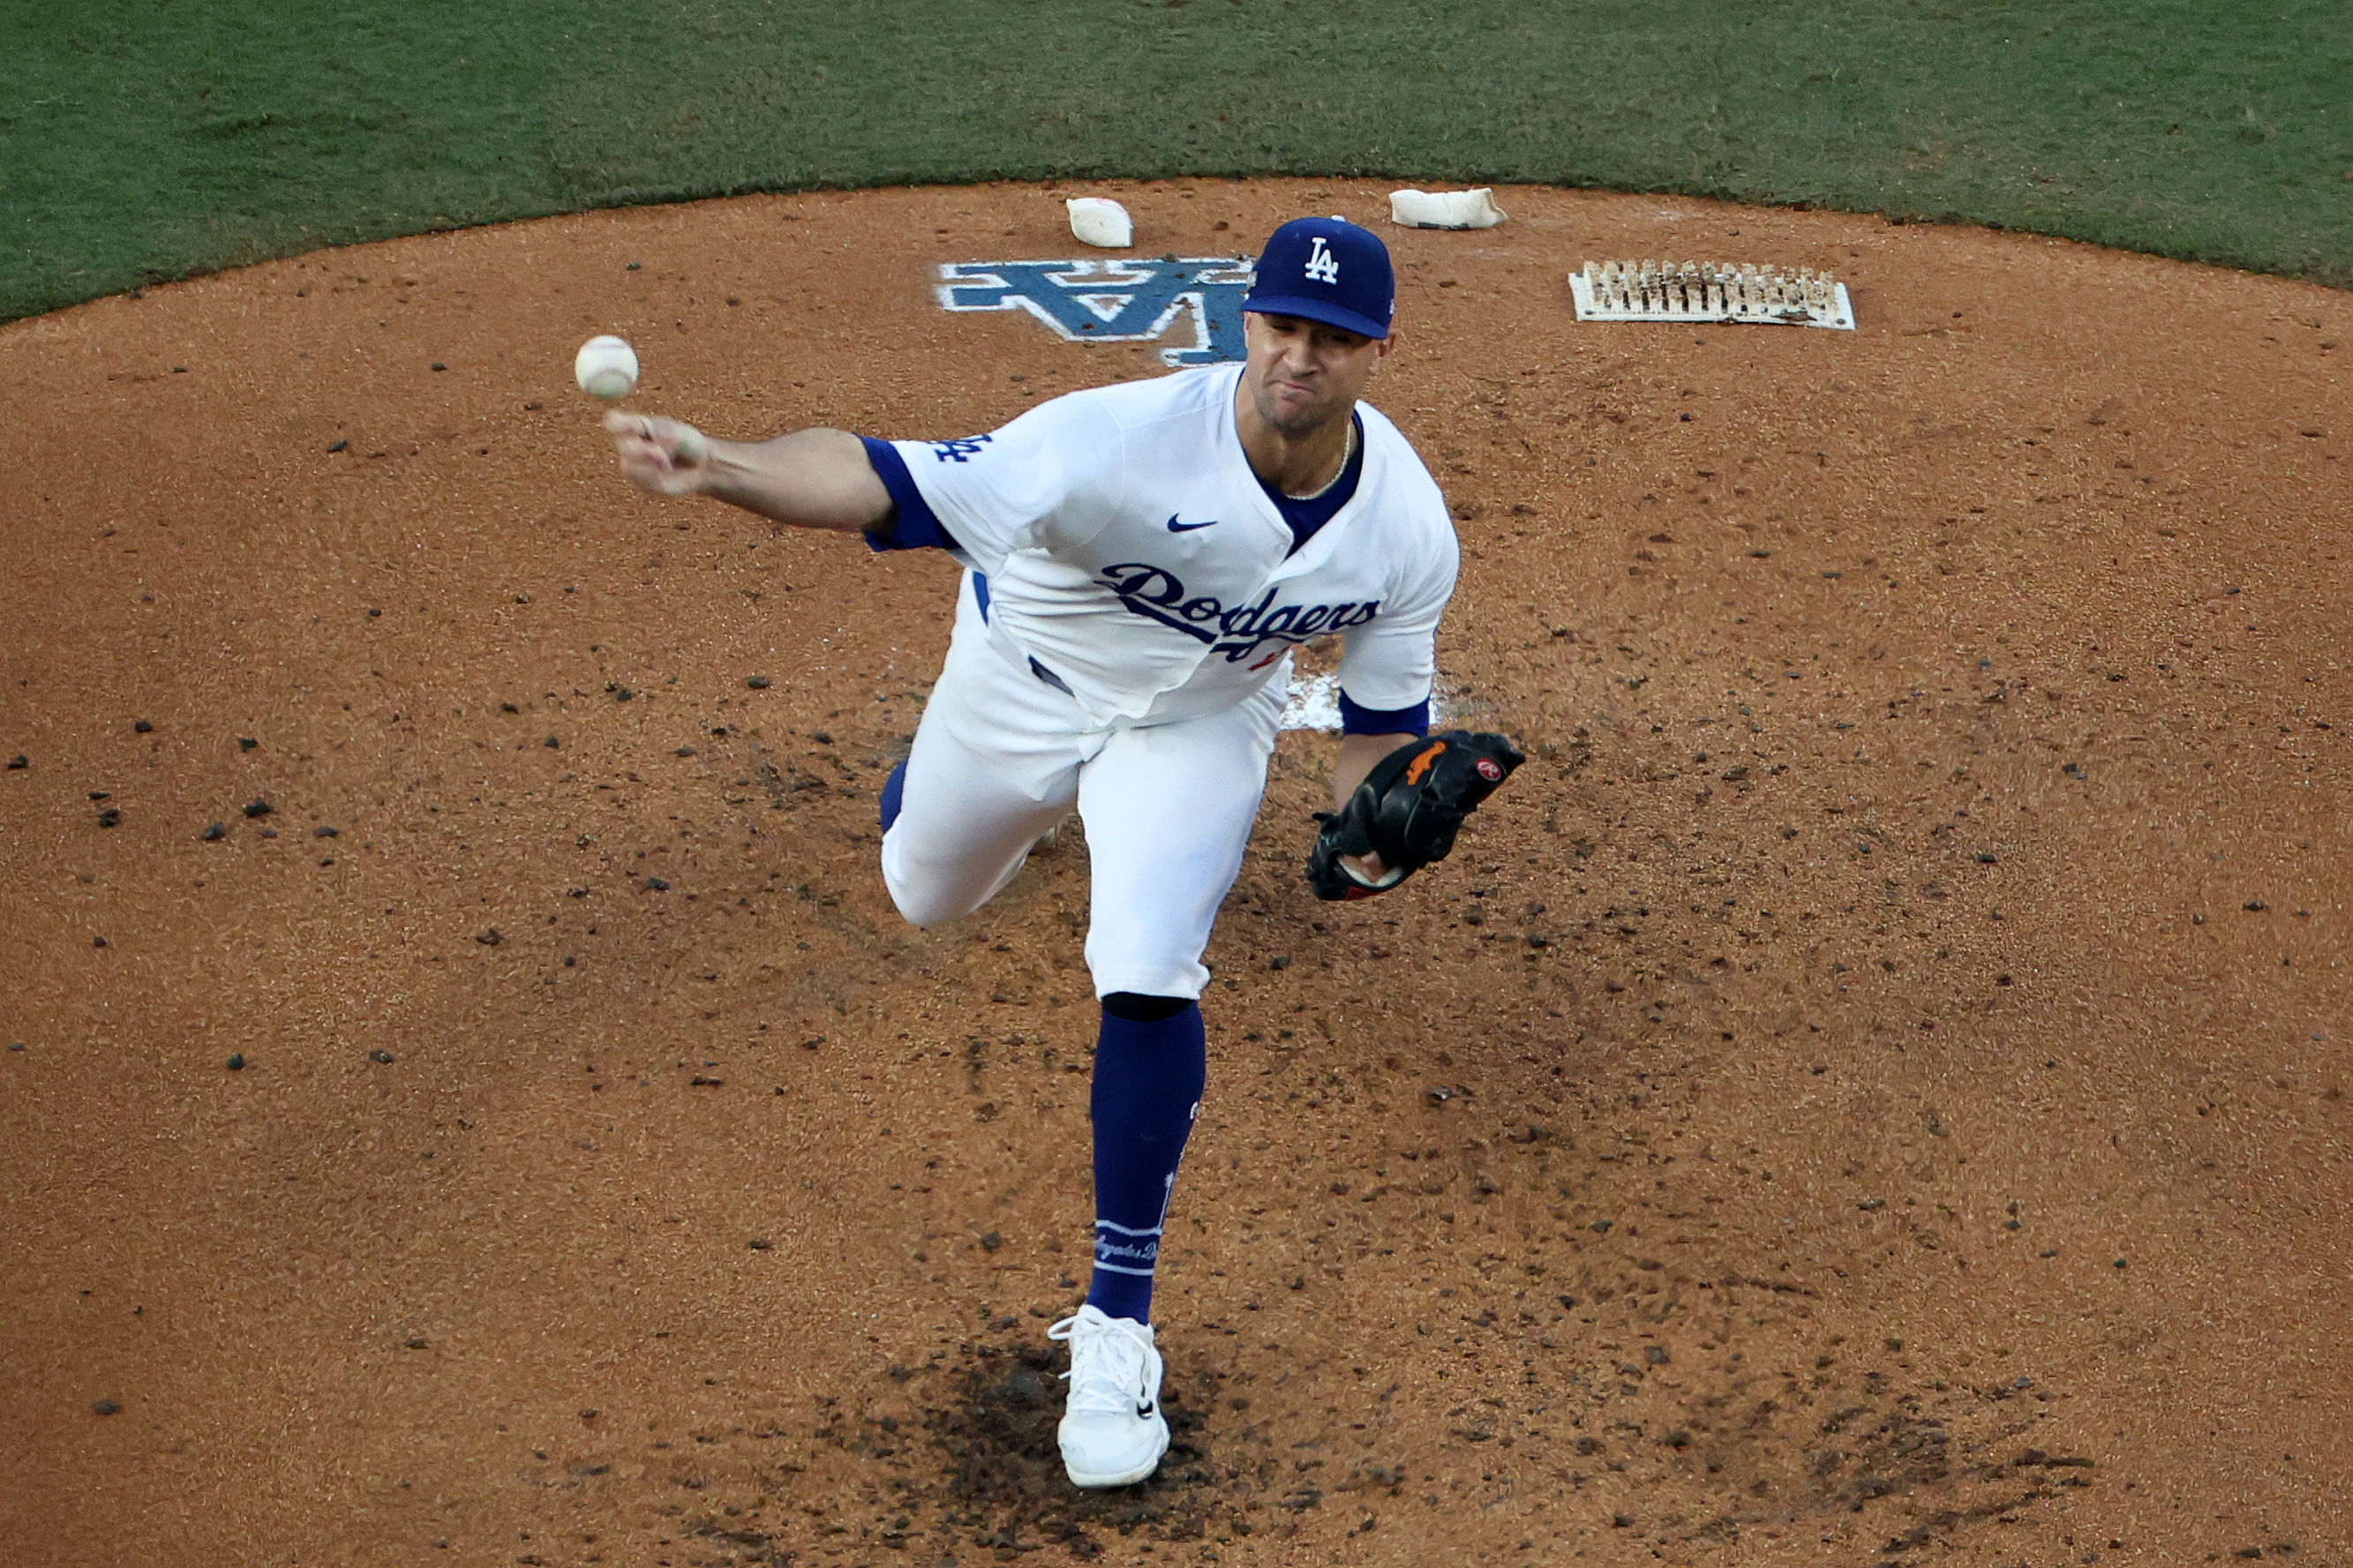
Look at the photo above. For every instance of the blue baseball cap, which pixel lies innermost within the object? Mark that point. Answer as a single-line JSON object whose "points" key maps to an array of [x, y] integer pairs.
{"points": [[1327, 269]]}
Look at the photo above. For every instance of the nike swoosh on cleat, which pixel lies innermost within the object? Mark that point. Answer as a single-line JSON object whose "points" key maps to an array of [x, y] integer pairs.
{"points": [[1177, 527]]}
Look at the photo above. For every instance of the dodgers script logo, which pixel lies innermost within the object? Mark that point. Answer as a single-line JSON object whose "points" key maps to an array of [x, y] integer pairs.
{"points": [[1158, 594], [1114, 302]]}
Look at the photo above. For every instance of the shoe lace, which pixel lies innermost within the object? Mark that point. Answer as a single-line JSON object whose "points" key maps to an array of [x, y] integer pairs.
{"points": [[1113, 1364]]}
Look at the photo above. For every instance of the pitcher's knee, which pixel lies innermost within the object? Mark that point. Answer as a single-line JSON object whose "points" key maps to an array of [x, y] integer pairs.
{"points": [[928, 906]]}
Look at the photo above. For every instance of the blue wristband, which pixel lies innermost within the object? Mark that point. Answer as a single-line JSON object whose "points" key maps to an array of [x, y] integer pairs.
{"points": [[1357, 720]]}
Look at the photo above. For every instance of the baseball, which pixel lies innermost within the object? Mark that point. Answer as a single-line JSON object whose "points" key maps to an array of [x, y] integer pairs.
{"points": [[605, 367]]}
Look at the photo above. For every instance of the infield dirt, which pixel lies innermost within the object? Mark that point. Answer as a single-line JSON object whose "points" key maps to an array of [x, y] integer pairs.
{"points": [[1871, 1089]]}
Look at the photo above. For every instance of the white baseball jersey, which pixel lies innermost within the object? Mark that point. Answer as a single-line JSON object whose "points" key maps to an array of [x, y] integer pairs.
{"points": [[1130, 550]]}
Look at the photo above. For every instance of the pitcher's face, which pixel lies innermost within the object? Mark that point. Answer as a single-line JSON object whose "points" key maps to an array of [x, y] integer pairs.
{"points": [[1300, 375]]}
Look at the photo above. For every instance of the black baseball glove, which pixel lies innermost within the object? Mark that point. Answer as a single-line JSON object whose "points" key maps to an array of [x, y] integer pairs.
{"points": [[1408, 809]]}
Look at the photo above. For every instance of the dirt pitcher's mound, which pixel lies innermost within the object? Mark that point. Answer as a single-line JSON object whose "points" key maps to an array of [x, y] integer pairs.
{"points": [[1870, 1090]]}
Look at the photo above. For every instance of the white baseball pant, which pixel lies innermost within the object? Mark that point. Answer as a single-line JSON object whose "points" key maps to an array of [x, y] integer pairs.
{"points": [[1000, 756]]}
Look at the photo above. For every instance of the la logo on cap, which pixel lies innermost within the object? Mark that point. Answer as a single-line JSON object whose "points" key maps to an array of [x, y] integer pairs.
{"points": [[1321, 265]]}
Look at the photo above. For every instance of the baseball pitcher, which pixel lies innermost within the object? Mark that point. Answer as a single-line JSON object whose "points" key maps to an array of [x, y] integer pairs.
{"points": [[1139, 562]]}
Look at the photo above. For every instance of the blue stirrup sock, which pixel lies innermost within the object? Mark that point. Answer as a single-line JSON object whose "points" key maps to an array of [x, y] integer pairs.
{"points": [[1151, 1065]]}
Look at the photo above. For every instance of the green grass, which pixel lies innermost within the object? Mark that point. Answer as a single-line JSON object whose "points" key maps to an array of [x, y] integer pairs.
{"points": [[141, 142]]}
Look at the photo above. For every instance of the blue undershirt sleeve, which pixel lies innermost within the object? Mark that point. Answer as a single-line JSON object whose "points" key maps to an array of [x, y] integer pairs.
{"points": [[1356, 719], [913, 525]]}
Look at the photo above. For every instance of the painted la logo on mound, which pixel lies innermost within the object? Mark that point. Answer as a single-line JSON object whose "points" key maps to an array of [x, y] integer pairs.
{"points": [[1115, 302]]}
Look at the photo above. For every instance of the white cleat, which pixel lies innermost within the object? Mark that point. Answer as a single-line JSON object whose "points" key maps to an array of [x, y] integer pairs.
{"points": [[1112, 1432]]}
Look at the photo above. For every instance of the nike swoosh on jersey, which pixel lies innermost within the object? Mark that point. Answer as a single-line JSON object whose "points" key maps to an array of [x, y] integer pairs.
{"points": [[1177, 527]]}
